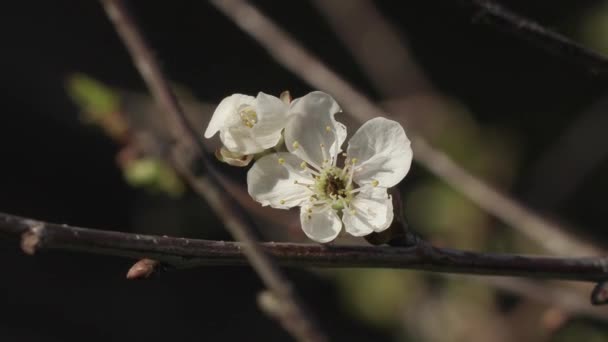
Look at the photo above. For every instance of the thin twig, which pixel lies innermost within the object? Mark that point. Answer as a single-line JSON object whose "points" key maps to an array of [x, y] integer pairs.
{"points": [[295, 58], [383, 54], [375, 45], [187, 253], [296, 319], [492, 13]]}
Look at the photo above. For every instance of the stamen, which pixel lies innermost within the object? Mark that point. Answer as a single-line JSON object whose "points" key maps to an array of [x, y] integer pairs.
{"points": [[375, 183], [295, 145], [305, 167], [318, 202], [293, 196], [248, 116], [352, 192], [351, 171], [308, 185], [325, 159], [345, 169], [364, 187], [292, 169], [317, 206]]}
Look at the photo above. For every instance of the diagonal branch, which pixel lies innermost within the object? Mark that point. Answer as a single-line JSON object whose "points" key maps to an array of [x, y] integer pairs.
{"points": [[294, 318], [186, 253], [495, 14], [302, 63], [382, 52]]}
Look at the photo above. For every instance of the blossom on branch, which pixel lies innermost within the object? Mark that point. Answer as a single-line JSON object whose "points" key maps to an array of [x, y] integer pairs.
{"points": [[354, 196], [247, 124]]}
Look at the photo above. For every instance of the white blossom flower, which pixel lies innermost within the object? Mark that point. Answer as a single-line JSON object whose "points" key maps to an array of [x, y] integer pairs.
{"points": [[378, 157], [248, 124]]}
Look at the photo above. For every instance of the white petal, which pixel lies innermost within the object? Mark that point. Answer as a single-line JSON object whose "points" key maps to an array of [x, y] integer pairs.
{"points": [[227, 108], [231, 158], [315, 101], [310, 125], [369, 211], [272, 183], [390, 214], [383, 152], [240, 140], [272, 117], [341, 133], [322, 226]]}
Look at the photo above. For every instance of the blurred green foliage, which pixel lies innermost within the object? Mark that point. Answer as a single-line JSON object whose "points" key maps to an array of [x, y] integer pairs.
{"points": [[99, 104], [154, 175], [581, 331], [377, 296], [94, 98], [594, 27]]}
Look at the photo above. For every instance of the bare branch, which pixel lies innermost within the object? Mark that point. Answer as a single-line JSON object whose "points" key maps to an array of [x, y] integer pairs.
{"points": [[382, 51], [295, 58], [297, 320], [492, 13], [186, 253], [375, 45]]}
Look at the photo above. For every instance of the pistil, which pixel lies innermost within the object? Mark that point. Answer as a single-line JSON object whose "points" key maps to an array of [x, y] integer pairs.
{"points": [[248, 116]]}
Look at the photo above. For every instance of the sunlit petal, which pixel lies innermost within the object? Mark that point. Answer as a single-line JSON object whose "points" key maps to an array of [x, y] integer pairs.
{"points": [[278, 180], [382, 151]]}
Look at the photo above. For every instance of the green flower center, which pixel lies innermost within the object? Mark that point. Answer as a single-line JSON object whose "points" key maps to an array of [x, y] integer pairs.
{"points": [[333, 186]]}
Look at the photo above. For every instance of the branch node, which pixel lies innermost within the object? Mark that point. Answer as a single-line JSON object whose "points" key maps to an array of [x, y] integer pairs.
{"points": [[30, 239], [270, 304], [142, 269]]}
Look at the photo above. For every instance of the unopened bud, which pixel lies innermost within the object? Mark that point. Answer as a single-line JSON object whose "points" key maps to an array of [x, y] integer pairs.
{"points": [[232, 158]]}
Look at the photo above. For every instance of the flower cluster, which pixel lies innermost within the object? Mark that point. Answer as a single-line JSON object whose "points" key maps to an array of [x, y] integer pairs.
{"points": [[307, 167]]}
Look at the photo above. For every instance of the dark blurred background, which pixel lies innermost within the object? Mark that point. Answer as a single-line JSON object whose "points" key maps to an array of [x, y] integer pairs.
{"points": [[524, 119]]}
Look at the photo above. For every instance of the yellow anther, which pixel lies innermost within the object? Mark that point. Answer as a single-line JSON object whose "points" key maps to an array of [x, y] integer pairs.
{"points": [[354, 161], [353, 211], [248, 117], [375, 183], [328, 129], [309, 211], [303, 165], [295, 145], [282, 201], [281, 161]]}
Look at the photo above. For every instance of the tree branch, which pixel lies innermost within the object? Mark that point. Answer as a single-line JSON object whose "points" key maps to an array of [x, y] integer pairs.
{"points": [[295, 58], [187, 253], [506, 20], [295, 319]]}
